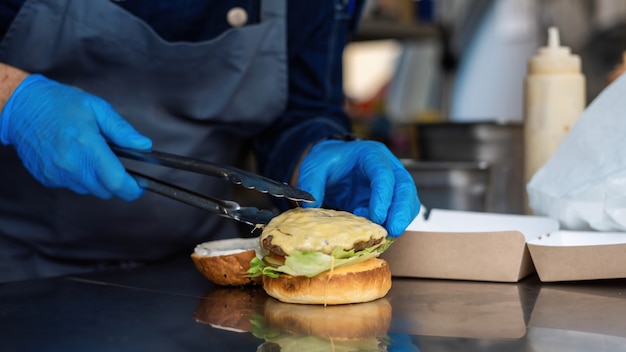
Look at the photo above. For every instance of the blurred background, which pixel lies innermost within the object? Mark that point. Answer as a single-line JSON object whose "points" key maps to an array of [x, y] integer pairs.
{"points": [[441, 82]]}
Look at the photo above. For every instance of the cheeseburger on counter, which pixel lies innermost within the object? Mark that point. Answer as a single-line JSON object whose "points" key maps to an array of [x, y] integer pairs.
{"points": [[322, 256]]}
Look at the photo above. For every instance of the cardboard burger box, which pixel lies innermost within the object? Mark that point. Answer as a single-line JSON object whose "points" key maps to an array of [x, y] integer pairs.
{"points": [[466, 245], [478, 246], [579, 255]]}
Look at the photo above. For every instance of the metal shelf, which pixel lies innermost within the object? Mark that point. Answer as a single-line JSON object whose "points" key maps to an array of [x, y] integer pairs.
{"points": [[379, 30]]}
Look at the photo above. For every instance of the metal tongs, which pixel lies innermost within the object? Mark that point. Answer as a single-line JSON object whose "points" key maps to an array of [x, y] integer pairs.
{"points": [[226, 208]]}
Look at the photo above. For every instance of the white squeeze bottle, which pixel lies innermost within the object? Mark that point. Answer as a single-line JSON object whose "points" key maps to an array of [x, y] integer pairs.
{"points": [[554, 99]]}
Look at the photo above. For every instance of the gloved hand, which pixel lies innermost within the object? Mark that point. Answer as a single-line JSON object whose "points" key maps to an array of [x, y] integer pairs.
{"points": [[362, 177], [59, 133]]}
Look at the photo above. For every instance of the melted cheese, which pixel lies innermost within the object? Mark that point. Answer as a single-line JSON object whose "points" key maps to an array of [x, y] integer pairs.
{"points": [[320, 230]]}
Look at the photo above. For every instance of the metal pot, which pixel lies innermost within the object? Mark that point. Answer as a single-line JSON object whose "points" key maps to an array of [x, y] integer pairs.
{"points": [[450, 185], [500, 145]]}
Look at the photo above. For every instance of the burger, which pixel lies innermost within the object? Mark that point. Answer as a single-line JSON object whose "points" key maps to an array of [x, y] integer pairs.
{"points": [[322, 256]]}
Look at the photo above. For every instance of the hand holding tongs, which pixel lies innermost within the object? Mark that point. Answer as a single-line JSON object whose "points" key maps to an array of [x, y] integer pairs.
{"points": [[226, 208]]}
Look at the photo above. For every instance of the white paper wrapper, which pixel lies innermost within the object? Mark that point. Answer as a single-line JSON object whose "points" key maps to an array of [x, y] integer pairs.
{"points": [[583, 185]]}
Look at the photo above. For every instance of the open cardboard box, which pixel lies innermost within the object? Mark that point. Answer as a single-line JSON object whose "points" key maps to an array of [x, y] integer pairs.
{"points": [[467, 246], [579, 255], [479, 246]]}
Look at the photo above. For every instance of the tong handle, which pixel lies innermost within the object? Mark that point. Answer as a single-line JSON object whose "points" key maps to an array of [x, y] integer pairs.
{"points": [[232, 174], [229, 209]]}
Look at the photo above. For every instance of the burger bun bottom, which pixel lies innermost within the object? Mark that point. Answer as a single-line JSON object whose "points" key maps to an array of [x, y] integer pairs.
{"points": [[362, 282]]}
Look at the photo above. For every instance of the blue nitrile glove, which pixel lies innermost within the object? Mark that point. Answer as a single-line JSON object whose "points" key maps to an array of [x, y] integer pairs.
{"points": [[362, 177], [59, 133]]}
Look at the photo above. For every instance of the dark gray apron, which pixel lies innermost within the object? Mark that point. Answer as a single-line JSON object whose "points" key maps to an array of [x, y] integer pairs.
{"points": [[190, 98]]}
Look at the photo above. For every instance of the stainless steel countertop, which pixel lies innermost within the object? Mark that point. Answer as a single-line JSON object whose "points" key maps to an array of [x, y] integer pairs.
{"points": [[171, 307]]}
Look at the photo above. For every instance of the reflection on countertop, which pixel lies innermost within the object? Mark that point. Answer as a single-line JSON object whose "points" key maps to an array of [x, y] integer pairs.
{"points": [[458, 309], [171, 307]]}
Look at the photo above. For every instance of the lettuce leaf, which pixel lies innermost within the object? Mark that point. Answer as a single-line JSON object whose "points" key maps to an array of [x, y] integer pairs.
{"points": [[314, 263]]}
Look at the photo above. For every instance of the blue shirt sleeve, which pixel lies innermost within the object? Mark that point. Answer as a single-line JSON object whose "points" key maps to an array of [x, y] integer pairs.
{"points": [[317, 32]]}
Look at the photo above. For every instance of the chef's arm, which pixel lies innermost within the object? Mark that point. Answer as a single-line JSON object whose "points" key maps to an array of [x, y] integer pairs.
{"points": [[316, 36], [60, 133], [305, 146], [10, 78]]}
